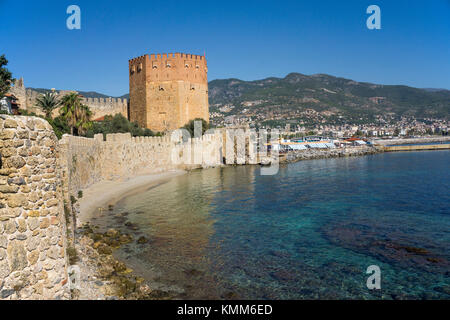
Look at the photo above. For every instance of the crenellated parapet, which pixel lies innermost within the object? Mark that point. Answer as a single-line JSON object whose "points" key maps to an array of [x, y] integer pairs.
{"points": [[106, 106], [170, 67], [99, 106]]}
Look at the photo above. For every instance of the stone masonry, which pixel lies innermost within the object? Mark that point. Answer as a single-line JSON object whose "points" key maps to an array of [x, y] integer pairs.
{"points": [[99, 106], [168, 90], [32, 225], [88, 161]]}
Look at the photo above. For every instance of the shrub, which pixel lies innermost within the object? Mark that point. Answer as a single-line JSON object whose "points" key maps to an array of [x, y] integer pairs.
{"points": [[118, 124]]}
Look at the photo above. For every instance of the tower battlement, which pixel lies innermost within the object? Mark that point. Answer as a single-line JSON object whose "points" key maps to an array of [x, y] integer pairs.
{"points": [[168, 89], [171, 66]]}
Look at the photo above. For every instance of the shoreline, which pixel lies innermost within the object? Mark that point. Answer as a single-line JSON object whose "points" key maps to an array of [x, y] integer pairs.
{"points": [[102, 276], [105, 193]]}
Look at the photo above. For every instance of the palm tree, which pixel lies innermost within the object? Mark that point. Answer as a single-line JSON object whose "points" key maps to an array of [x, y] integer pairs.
{"points": [[84, 122], [77, 115], [47, 102]]}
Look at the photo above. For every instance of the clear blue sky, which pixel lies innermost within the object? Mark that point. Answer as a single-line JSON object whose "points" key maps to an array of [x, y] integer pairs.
{"points": [[242, 39]]}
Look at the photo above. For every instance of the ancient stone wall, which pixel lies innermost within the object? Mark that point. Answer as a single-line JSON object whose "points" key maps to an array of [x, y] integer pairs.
{"points": [[88, 161], [106, 106], [33, 262], [99, 106]]}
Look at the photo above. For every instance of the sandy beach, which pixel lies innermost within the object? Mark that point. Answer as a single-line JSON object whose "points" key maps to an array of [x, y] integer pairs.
{"points": [[105, 193]]}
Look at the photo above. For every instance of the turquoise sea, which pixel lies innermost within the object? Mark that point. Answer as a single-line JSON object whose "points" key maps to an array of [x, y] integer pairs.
{"points": [[309, 232]]}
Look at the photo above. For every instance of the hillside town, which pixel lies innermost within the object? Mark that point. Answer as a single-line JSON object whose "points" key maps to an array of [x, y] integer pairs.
{"points": [[299, 123]]}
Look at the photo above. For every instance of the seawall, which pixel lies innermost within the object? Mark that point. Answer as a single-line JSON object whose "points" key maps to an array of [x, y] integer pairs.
{"points": [[417, 147], [311, 154], [89, 161], [384, 142]]}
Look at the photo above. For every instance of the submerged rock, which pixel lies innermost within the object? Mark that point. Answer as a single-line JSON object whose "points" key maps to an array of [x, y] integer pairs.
{"points": [[142, 240], [113, 233]]}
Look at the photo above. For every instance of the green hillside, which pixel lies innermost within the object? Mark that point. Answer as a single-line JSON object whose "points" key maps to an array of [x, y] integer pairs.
{"points": [[321, 92]]}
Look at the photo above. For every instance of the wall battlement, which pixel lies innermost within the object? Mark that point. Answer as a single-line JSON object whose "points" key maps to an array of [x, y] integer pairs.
{"points": [[91, 160], [99, 106], [107, 106]]}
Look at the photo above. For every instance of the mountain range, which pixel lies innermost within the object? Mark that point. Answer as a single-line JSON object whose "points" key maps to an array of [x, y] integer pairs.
{"points": [[322, 93]]}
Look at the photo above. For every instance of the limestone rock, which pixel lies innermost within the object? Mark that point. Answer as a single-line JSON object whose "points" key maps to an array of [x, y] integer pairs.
{"points": [[17, 255]]}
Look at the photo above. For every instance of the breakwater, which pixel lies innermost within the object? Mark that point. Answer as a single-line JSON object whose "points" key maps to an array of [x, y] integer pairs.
{"points": [[417, 147], [310, 154], [385, 142]]}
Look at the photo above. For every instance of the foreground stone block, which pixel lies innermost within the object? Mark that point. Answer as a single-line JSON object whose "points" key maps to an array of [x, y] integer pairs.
{"points": [[29, 147]]}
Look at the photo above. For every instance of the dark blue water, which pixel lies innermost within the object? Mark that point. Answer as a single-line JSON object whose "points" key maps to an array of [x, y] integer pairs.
{"points": [[309, 232]]}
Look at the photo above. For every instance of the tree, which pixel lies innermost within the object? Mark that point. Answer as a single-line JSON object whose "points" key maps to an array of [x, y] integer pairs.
{"points": [[76, 115], [47, 102], [59, 126], [84, 121], [5, 76], [190, 126], [118, 124]]}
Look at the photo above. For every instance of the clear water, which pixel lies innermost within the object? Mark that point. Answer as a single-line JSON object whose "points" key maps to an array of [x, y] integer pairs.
{"points": [[309, 232]]}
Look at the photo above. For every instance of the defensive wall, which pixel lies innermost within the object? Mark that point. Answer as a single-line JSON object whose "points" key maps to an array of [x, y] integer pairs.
{"points": [[99, 106]]}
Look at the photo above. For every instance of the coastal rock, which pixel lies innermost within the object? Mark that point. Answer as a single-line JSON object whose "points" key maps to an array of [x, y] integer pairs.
{"points": [[142, 240], [113, 233], [310, 154]]}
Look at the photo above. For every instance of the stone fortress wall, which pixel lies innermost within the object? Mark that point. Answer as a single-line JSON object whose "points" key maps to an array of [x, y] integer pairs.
{"points": [[121, 156], [99, 106], [106, 106], [33, 262]]}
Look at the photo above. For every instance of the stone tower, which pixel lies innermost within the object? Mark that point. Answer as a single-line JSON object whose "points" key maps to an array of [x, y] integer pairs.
{"points": [[168, 90]]}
